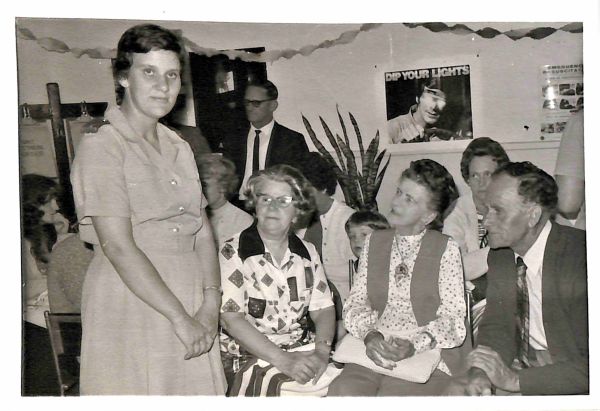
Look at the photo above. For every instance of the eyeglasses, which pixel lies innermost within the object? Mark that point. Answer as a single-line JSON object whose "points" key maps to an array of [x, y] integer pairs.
{"points": [[255, 103], [278, 202]]}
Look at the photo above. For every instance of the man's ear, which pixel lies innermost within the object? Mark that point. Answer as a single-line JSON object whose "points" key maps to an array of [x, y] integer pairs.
{"points": [[535, 214], [274, 105]]}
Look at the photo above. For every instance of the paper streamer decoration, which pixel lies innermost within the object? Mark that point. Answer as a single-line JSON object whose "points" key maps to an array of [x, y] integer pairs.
{"points": [[270, 56], [489, 32]]}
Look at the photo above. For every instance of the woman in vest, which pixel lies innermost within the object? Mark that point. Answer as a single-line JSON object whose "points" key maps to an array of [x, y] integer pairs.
{"points": [[408, 294]]}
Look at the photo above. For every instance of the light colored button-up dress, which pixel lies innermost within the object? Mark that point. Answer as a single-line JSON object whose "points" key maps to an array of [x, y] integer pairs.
{"points": [[128, 347]]}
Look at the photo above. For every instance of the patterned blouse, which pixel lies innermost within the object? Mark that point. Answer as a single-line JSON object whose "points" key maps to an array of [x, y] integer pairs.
{"points": [[447, 330], [274, 298]]}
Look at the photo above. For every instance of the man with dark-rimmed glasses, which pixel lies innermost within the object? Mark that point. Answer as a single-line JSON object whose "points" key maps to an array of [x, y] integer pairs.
{"points": [[262, 142]]}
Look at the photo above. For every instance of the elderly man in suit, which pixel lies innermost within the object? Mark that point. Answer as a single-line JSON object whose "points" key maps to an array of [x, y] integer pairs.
{"points": [[262, 142], [533, 338]]}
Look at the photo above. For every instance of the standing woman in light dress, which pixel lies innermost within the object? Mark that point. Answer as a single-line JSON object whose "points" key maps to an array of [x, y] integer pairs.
{"points": [[151, 296]]}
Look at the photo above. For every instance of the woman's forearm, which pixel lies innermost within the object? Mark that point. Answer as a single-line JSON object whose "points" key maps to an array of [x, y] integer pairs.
{"points": [[324, 321], [134, 267], [475, 263], [250, 338], [209, 266], [208, 255]]}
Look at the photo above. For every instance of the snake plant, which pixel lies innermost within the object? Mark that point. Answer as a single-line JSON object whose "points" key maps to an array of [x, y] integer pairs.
{"points": [[359, 185]]}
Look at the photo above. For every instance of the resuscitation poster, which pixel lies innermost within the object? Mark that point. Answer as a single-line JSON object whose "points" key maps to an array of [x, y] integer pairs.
{"points": [[562, 93]]}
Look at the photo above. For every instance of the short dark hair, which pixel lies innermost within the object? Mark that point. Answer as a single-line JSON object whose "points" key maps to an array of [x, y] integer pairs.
{"points": [[319, 172], [143, 38], [535, 185], [479, 147], [432, 82], [269, 87], [440, 184], [372, 219], [222, 169], [301, 188]]}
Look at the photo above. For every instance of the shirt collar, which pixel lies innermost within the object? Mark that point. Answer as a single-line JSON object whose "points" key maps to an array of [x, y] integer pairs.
{"points": [[115, 117], [412, 110], [251, 244], [265, 130], [534, 257]]}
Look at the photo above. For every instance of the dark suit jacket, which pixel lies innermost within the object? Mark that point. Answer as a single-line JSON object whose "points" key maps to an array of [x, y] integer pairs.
{"points": [[564, 310], [286, 146]]}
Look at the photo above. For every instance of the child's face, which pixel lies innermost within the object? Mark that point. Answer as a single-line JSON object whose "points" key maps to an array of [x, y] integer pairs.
{"points": [[357, 235]]}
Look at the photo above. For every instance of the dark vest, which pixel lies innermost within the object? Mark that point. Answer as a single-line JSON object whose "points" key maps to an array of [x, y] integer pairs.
{"points": [[424, 290]]}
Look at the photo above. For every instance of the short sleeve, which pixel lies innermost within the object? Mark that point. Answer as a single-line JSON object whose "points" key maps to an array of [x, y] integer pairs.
{"points": [[321, 294], [570, 160], [233, 281], [97, 177]]}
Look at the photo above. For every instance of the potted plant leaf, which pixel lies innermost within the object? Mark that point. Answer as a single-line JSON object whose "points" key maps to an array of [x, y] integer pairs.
{"points": [[359, 185]]}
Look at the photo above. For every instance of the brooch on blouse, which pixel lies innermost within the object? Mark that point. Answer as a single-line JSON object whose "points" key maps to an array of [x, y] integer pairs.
{"points": [[401, 271]]}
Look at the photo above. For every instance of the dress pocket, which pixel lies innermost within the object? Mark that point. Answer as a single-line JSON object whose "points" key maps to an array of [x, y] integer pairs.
{"points": [[256, 307], [147, 197]]}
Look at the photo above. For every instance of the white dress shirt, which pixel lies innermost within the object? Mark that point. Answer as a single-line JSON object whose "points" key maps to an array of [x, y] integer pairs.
{"points": [[265, 138], [336, 246], [534, 258]]}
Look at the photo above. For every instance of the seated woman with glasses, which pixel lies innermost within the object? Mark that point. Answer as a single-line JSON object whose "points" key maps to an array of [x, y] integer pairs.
{"points": [[271, 279]]}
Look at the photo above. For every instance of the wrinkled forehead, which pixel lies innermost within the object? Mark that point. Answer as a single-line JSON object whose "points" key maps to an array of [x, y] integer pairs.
{"points": [[255, 93], [272, 187], [504, 189]]}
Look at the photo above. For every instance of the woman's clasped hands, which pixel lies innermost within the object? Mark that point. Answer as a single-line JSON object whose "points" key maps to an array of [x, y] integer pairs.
{"points": [[303, 366], [196, 337], [387, 353]]}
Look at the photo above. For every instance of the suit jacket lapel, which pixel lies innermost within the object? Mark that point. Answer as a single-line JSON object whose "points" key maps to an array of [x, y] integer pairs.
{"points": [[243, 142], [272, 141], [555, 335]]}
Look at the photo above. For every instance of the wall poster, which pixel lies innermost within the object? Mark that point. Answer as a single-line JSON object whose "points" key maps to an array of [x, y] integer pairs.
{"points": [[429, 104], [36, 148], [562, 93]]}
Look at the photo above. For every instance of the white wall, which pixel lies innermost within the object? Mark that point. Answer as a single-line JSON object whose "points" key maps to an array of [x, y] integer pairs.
{"points": [[505, 78]]}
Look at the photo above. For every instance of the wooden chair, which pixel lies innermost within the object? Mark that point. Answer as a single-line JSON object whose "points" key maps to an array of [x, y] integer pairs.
{"points": [[65, 339]]}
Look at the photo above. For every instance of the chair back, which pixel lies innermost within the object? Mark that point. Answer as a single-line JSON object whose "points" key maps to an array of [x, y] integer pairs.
{"points": [[65, 340]]}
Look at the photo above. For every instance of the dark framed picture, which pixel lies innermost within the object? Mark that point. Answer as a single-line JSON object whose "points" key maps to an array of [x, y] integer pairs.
{"points": [[429, 104]]}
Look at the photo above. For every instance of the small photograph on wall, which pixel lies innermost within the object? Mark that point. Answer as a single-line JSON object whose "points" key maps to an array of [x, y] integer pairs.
{"points": [[429, 104], [562, 94]]}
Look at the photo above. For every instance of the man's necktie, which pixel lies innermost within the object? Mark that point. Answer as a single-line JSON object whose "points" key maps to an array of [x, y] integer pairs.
{"points": [[482, 233], [255, 164], [522, 336]]}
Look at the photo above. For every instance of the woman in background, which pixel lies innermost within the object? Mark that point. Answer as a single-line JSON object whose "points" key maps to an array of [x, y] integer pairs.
{"points": [[219, 183], [42, 224], [465, 223], [152, 293]]}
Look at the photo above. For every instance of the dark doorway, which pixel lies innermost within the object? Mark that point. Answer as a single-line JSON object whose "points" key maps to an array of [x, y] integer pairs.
{"points": [[218, 84]]}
